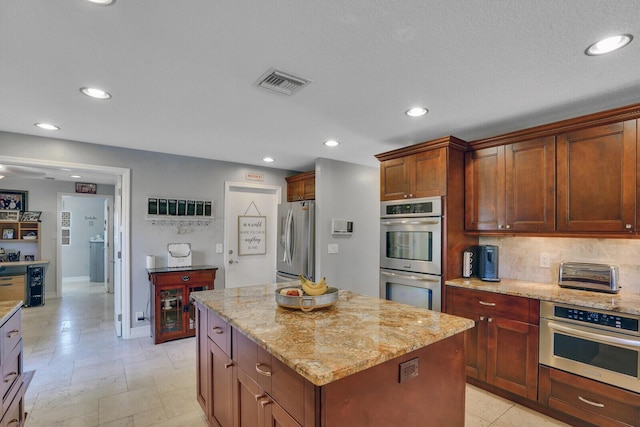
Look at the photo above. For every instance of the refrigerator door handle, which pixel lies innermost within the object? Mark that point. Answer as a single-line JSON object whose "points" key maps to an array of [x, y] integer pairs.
{"points": [[288, 247]]}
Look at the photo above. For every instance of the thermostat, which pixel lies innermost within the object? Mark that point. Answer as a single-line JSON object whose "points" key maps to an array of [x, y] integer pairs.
{"points": [[341, 226]]}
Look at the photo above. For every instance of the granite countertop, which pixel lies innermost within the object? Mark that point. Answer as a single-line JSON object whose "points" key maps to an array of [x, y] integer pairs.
{"points": [[620, 302], [174, 269], [7, 309], [327, 344]]}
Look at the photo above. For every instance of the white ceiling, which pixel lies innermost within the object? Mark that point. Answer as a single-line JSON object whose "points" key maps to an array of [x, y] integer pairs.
{"points": [[182, 72]]}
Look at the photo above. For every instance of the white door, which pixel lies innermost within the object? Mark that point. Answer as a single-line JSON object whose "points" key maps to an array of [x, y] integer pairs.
{"points": [[251, 210], [108, 245], [117, 258]]}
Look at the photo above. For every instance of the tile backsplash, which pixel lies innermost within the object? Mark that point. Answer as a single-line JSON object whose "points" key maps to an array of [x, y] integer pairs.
{"points": [[520, 257]]}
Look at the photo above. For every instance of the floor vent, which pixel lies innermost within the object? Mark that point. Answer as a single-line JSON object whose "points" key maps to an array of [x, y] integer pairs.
{"points": [[282, 82]]}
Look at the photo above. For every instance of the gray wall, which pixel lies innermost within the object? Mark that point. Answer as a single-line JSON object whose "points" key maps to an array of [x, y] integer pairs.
{"points": [[87, 221], [152, 174], [351, 192]]}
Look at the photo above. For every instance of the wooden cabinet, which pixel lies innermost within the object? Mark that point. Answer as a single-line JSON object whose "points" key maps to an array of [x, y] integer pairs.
{"points": [[418, 175], [11, 365], [25, 237], [597, 179], [592, 402], [511, 187], [173, 316], [301, 187], [502, 349], [12, 288]]}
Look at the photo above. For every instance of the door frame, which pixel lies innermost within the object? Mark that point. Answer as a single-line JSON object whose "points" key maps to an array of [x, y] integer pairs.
{"points": [[124, 176], [228, 187]]}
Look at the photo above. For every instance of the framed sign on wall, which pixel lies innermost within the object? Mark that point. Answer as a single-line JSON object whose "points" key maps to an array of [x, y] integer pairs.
{"points": [[252, 235]]}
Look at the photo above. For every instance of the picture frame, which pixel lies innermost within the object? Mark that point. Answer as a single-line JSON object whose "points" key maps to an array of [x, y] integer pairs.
{"points": [[7, 233], [13, 200], [86, 187], [29, 257], [9, 215], [31, 216]]}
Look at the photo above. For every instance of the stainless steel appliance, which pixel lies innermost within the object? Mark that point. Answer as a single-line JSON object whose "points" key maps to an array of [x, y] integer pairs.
{"points": [[589, 276], [482, 262], [410, 251], [296, 241], [597, 344]]}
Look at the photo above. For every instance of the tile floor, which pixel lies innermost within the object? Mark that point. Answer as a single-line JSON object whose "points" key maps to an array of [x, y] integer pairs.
{"points": [[85, 376]]}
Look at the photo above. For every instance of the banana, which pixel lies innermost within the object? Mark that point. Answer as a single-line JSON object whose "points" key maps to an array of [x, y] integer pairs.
{"points": [[313, 289]]}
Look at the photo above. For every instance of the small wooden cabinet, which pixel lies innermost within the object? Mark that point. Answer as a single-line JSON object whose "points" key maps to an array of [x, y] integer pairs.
{"points": [[587, 400], [597, 179], [511, 187], [502, 349], [301, 187], [173, 316]]}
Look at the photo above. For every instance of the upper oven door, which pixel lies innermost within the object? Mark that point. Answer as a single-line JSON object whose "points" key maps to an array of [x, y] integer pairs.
{"points": [[411, 244]]}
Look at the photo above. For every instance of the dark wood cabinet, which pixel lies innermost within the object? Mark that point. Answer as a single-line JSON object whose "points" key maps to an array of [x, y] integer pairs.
{"points": [[301, 187], [591, 402], [418, 175], [502, 349], [597, 179], [172, 315], [511, 187]]}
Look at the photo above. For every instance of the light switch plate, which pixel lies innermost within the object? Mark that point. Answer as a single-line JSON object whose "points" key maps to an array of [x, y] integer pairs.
{"points": [[218, 248], [333, 248]]}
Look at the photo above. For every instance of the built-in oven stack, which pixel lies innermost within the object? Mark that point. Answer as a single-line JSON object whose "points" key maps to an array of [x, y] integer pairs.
{"points": [[411, 252]]}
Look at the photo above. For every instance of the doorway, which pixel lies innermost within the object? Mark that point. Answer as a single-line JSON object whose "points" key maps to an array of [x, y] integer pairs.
{"points": [[250, 231]]}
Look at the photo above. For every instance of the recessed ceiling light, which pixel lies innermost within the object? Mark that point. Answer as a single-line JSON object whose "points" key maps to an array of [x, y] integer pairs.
{"points": [[268, 159], [609, 45], [417, 112], [75, 176], [94, 92], [103, 2], [46, 126], [331, 143]]}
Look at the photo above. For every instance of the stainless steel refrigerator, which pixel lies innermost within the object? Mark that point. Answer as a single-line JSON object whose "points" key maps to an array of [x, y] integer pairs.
{"points": [[296, 240]]}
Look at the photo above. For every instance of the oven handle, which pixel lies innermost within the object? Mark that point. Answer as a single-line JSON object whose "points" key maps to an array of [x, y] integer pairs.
{"points": [[411, 222], [406, 276], [594, 336]]}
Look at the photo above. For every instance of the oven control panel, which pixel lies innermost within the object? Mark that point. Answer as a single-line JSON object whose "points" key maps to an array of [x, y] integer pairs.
{"points": [[428, 206], [609, 320]]}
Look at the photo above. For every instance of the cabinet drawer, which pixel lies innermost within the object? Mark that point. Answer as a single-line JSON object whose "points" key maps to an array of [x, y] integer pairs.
{"points": [[11, 372], [588, 400], [492, 304], [11, 333], [219, 331], [11, 288], [14, 415], [288, 388], [178, 277]]}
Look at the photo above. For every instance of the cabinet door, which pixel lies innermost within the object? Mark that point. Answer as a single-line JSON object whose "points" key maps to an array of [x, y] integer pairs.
{"points": [[309, 188], [475, 344], [202, 357], [190, 307], [485, 189], [394, 178], [596, 178], [429, 174], [275, 416], [221, 380], [512, 356], [530, 185], [169, 319], [247, 400], [295, 191]]}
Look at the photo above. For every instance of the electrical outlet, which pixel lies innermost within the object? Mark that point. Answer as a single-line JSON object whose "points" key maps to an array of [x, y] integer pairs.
{"points": [[139, 316], [545, 260], [333, 248]]}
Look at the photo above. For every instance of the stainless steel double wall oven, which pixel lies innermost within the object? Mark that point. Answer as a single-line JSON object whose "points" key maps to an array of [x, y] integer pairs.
{"points": [[411, 252]]}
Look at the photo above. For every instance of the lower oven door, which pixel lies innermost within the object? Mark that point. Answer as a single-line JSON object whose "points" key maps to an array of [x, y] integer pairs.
{"points": [[604, 356], [420, 290]]}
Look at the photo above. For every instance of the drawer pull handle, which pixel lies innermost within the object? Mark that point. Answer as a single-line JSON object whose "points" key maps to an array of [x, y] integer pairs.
{"points": [[12, 333], [228, 365], [490, 304], [218, 330], [259, 396], [186, 278], [13, 421], [13, 376], [589, 402], [261, 372], [481, 318], [265, 402], [6, 284]]}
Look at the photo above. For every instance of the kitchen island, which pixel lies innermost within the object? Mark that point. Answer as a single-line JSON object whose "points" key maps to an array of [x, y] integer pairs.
{"points": [[362, 362]]}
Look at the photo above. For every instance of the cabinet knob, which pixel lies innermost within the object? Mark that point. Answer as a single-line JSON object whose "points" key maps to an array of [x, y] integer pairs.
{"points": [[490, 319], [481, 318], [500, 226], [628, 226], [508, 226], [405, 196], [186, 278], [410, 195]]}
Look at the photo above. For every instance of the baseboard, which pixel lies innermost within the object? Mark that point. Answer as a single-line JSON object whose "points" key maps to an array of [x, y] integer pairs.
{"points": [[140, 332], [72, 279]]}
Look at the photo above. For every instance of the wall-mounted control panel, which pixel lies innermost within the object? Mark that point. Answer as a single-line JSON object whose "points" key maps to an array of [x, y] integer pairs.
{"points": [[341, 226]]}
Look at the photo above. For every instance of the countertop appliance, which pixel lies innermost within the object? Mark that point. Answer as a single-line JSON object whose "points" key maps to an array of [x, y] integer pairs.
{"points": [[597, 344], [410, 252], [589, 276], [482, 262], [296, 240], [179, 255]]}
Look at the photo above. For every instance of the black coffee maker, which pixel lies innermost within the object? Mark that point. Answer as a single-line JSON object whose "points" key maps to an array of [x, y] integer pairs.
{"points": [[482, 262]]}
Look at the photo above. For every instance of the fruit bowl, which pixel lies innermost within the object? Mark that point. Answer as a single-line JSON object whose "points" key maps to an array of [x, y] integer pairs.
{"points": [[307, 302]]}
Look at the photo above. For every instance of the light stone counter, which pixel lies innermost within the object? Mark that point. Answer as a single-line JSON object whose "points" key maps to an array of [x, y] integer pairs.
{"points": [[620, 302], [7, 309], [327, 344]]}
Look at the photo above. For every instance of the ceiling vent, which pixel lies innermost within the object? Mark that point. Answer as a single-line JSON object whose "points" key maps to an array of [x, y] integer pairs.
{"points": [[282, 82]]}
